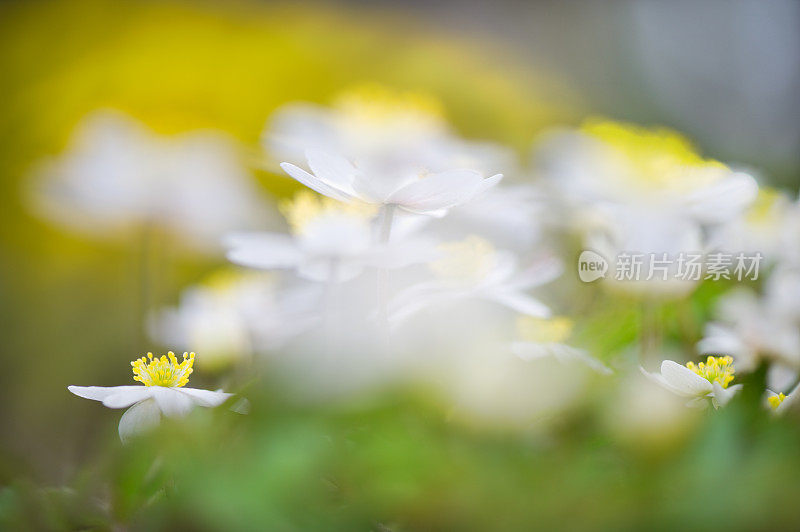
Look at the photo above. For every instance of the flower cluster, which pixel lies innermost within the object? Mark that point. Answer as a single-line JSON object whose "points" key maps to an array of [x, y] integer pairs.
{"points": [[407, 255]]}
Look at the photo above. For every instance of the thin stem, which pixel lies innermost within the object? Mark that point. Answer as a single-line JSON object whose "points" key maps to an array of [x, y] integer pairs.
{"points": [[330, 298], [382, 275], [386, 223], [650, 334]]}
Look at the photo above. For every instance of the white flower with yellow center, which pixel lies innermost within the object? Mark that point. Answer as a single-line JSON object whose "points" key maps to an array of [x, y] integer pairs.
{"points": [[329, 242], [382, 148], [643, 191], [752, 328], [162, 391], [545, 338], [235, 313], [698, 382], [386, 133], [761, 227], [473, 269], [779, 403], [606, 162]]}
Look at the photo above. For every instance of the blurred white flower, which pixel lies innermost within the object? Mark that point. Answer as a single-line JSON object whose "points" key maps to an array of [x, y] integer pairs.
{"points": [[512, 217], [632, 189], [546, 337], [749, 329], [117, 175], [763, 227], [489, 387], [473, 269], [383, 132], [417, 191], [647, 416], [650, 235], [782, 291], [162, 392], [607, 162], [330, 242], [699, 382], [233, 314]]}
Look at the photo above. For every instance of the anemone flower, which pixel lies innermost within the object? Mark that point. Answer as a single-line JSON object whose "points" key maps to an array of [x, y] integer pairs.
{"points": [[162, 392], [698, 382], [473, 269]]}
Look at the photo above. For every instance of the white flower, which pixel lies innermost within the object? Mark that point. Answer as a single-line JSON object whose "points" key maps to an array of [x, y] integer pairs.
{"points": [[162, 392], [632, 189], [513, 217], [234, 314], [330, 243], [473, 269], [749, 329], [607, 162], [698, 382], [384, 132], [545, 338], [117, 175], [782, 292], [779, 403], [764, 227], [415, 191], [647, 236]]}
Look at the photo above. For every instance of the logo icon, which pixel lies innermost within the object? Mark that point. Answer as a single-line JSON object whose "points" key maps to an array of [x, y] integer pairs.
{"points": [[591, 266]]}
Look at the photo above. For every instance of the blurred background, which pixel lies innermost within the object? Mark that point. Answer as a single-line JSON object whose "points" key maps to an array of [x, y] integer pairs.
{"points": [[725, 73]]}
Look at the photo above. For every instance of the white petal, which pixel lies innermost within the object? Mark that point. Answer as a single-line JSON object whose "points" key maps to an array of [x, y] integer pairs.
{"points": [[529, 350], [520, 302], [334, 170], [567, 352], [127, 395], [698, 402], [721, 340], [262, 250], [314, 183], [541, 272], [723, 395], [486, 184], [172, 402], [206, 398], [404, 311], [684, 380], [139, 418], [724, 199], [97, 393], [437, 191]]}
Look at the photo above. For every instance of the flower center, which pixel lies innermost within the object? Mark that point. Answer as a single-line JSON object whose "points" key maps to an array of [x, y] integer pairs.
{"points": [[656, 157], [374, 104], [307, 207], [468, 260], [714, 369], [546, 331], [776, 400], [164, 371]]}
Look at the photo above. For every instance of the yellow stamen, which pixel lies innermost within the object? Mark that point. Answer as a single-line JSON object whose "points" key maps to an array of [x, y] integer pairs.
{"points": [[164, 371], [306, 207], [468, 260], [715, 369], [776, 400], [554, 330]]}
